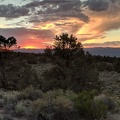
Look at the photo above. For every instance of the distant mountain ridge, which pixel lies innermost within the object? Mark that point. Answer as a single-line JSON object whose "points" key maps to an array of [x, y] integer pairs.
{"points": [[94, 51], [112, 52]]}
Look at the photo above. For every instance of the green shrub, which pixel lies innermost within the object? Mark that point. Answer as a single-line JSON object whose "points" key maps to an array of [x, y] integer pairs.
{"points": [[30, 93], [89, 109], [21, 109], [10, 108], [105, 66], [10, 100], [105, 100], [57, 109], [79, 76], [1, 103], [1, 94], [55, 93], [55, 105], [10, 97]]}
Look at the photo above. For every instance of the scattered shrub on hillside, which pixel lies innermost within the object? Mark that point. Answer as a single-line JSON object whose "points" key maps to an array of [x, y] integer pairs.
{"points": [[10, 101], [77, 77], [117, 66], [20, 109], [10, 97], [59, 108], [30, 93], [105, 66], [1, 94], [106, 100], [89, 109], [50, 95], [19, 75], [55, 105]]}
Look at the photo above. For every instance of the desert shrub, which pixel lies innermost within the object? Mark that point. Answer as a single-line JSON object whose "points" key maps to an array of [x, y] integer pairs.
{"points": [[1, 98], [63, 108], [55, 93], [10, 101], [10, 97], [55, 105], [1, 103], [70, 95], [105, 100], [22, 108], [89, 109], [10, 108], [102, 66], [117, 66], [18, 75], [31, 58], [30, 93], [6, 117], [1, 94], [79, 76], [59, 108]]}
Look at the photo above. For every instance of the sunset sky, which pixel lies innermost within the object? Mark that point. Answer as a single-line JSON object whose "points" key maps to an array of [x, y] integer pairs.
{"points": [[34, 23]]}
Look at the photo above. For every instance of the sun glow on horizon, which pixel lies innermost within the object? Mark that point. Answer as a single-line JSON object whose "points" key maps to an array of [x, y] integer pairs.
{"points": [[30, 47]]}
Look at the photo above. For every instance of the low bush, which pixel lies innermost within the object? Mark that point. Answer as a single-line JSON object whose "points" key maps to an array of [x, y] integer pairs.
{"points": [[1, 94], [89, 109], [30, 93], [55, 105], [105, 100], [10, 97], [21, 109]]}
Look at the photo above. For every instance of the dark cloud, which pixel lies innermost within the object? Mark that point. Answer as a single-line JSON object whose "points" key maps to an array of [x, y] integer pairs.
{"points": [[39, 3], [100, 5], [97, 5], [11, 11], [105, 44], [46, 10], [49, 9], [63, 16], [33, 4]]}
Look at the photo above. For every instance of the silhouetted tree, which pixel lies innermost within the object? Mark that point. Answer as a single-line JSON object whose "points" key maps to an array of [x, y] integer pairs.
{"points": [[5, 44], [73, 69], [67, 48]]}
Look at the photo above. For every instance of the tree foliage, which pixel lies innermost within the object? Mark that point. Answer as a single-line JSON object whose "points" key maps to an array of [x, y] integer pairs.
{"points": [[73, 69], [5, 44], [67, 47]]}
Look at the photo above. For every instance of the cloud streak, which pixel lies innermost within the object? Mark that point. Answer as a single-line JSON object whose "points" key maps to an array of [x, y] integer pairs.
{"points": [[108, 44]]}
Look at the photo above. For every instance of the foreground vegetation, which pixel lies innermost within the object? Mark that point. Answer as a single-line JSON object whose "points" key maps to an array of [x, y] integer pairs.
{"points": [[63, 83], [56, 105]]}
